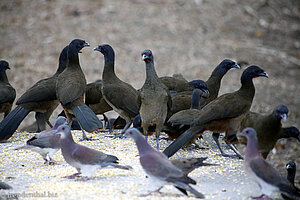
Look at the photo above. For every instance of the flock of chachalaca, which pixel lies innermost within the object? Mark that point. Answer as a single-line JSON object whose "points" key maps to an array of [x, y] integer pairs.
{"points": [[182, 109]]}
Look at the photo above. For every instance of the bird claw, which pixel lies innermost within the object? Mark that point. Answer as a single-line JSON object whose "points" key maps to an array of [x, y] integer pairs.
{"points": [[86, 139], [82, 179], [72, 176], [231, 156], [52, 162], [262, 197]]}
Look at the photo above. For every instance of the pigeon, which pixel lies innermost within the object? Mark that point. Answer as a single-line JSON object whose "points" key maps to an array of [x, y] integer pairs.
{"points": [[84, 159], [159, 167], [267, 177], [46, 142]]}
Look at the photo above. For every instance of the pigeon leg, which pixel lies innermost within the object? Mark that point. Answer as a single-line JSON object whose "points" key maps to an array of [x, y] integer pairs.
{"points": [[157, 190], [72, 176]]}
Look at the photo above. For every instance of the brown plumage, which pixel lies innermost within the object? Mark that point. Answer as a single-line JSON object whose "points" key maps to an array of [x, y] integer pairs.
{"points": [[71, 88], [121, 96], [268, 127], [7, 92], [223, 114], [154, 97], [40, 98]]}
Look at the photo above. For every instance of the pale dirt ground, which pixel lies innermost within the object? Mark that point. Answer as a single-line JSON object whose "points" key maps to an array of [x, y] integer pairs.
{"points": [[187, 37]]}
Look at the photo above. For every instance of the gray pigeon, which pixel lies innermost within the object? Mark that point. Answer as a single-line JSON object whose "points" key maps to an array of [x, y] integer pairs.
{"points": [[46, 142], [267, 177], [84, 159], [159, 167]]}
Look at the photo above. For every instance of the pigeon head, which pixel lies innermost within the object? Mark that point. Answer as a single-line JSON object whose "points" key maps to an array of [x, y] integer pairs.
{"points": [[290, 166], [228, 64], [147, 56], [253, 72], [133, 133], [4, 65], [63, 131], [199, 84], [61, 120], [77, 44], [248, 133], [281, 112]]}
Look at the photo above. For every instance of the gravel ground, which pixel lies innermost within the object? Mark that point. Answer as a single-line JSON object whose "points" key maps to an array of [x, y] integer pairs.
{"points": [[186, 36], [25, 172]]}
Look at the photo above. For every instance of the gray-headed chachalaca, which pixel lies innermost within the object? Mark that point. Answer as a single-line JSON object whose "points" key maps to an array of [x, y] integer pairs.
{"points": [[71, 88], [155, 99], [7, 92], [121, 96], [223, 114], [268, 128], [40, 98]]}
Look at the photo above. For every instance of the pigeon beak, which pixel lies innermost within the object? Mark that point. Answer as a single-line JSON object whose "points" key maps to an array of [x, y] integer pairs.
{"points": [[283, 117], [264, 74], [236, 66], [241, 134]]}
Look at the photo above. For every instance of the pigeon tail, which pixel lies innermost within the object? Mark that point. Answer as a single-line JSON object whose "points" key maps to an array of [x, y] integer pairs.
{"points": [[182, 140], [125, 167], [87, 118], [11, 122]]}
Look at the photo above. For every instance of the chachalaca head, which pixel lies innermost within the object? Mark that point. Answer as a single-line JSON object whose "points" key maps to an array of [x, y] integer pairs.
{"points": [[199, 84], [226, 65], [147, 56], [253, 72], [4, 65], [280, 112], [107, 51], [76, 45], [291, 170]]}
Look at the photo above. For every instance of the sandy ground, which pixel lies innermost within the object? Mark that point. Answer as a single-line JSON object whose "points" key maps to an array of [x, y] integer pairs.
{"points": [[25, 172], [188, 37]]}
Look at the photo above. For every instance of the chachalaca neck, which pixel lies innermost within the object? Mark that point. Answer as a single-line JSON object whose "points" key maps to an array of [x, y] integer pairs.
{"points": [[3, 76], [109, 67], [196, 96], [247, 89], [73, 58], [151, 75], [214, 81], [63, 61]]}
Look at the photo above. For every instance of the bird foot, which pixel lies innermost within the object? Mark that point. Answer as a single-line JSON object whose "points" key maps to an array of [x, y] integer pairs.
{"points": [[52, 162], [262, 197], [72, 176], [157, 191], [83, 179], [86, 139], [116, 135], [229, 156]]}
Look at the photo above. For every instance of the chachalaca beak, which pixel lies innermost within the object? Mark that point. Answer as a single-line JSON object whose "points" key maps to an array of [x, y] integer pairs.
{"points": [[263, 74], [236, 66], [146, 58], [97, 49], [283, 117], [84, 45]]}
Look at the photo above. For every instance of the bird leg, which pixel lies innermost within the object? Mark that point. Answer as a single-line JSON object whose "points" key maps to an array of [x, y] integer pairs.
{"points": [[157, 190], [48, 122], [157, 134], [72, 176], [216, 139], [83, 179], [84, 137], [105, 120], [126, 127], [233, 148], [262, 196]]}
